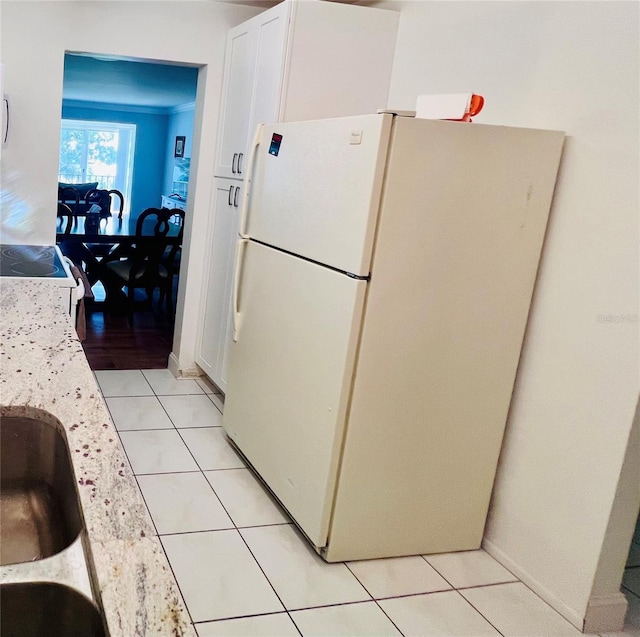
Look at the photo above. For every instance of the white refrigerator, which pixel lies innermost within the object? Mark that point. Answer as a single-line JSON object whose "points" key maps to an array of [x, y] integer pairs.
{"points": [[384, 273]]}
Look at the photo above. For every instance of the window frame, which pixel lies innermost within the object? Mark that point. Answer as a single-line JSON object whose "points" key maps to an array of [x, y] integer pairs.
{"points": [[125, 154]]}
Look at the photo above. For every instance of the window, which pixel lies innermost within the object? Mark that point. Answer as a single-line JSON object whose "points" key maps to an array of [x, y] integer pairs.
{"points": [[97, 151]]}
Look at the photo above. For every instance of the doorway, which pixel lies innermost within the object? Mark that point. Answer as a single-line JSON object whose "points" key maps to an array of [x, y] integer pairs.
{"points": [[128, 123], [631, 579], [623, 523]]}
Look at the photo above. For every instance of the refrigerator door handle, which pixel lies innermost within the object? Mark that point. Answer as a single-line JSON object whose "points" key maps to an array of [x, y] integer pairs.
{"points": [[237, 276], [247, 183]]}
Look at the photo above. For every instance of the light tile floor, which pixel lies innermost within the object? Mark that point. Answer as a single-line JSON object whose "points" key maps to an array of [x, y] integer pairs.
{"points": [[244, 569]]}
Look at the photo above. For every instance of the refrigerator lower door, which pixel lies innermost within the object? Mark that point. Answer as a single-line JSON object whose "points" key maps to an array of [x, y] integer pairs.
{"points": [[290, 375]]}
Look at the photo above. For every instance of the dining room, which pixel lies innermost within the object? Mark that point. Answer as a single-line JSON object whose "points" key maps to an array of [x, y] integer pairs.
{"points": [[125, 144]]}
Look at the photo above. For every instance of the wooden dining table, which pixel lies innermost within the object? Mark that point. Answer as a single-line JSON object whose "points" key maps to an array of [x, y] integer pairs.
{"points": [[92, 244]]}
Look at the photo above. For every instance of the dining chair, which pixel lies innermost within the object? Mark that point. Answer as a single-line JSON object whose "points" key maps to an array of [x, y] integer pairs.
{"points": [[69, 197], [171, 259], [103, 198], [66, 217], [143, 266]]}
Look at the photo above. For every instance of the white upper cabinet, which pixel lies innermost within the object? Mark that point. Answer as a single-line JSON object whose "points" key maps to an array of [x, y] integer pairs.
{"points": [[271, 35], [238, 88], [302, 59]]}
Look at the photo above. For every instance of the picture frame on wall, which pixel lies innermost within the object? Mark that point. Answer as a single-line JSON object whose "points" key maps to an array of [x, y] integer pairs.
{"points": [[178, 150]]}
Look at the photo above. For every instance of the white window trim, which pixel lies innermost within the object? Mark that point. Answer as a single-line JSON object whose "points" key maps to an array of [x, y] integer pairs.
{"points": [[127, 141]]}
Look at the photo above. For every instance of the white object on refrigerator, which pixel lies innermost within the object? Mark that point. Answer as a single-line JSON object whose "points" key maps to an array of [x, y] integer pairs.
{"points": [[383, 279]]}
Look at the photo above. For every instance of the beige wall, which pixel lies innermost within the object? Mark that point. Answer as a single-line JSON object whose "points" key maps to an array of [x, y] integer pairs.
{"points": [[571, 66], [34, 38]]}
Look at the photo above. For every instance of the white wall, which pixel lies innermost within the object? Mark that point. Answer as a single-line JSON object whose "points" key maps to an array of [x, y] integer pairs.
{"points": [[571, 66], [34, 38]]}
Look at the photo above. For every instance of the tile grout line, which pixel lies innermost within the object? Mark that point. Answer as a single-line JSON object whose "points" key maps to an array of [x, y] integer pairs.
{"points": [[162, 473], [117, 396], [211, 401], [289, 611], [296, 609], [144, 499], [544, 601], [517, 581], [226, 528], [237, 530], [202, 471], [156, 394], [175, 579], [226, 619], [480, 613], [461, 595], [375, 601]]}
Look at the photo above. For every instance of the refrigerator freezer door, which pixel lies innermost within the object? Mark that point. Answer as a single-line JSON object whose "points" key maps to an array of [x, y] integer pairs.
{"points": [[290, 376], [315, 186]]}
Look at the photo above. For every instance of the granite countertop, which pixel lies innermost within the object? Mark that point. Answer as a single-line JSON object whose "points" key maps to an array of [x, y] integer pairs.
{"points": [[43, 368]]}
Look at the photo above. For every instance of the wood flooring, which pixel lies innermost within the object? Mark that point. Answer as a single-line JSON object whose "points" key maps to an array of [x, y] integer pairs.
{"points": [[112, 344]]}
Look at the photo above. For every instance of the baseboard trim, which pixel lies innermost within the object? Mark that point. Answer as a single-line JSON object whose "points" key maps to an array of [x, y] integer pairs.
{"points": [[174, 367], [570, 614], [605, 613], [172, 364]]}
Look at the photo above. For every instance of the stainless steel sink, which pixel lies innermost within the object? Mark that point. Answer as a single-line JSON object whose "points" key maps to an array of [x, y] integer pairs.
{"points": [[45, 609], [39, 504]]}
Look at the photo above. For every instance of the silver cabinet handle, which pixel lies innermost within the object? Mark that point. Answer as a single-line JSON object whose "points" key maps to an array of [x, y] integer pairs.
{"points": [[233, 163], [240, 156], [229, 199], [235, 197], [6, 123]]}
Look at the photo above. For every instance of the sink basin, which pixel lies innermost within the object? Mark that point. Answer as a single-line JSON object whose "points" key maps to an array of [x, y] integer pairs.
{"points": [[44, 609], [39, 504]]}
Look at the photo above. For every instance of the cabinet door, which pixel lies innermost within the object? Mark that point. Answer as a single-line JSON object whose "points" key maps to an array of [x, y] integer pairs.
{"points": [[239, 75], [270, 32], [215, 324], [339, 60]]}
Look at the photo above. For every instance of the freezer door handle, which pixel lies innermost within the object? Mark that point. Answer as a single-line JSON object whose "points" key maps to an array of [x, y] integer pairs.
{"points": [[247, 183], [237, 276]]}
